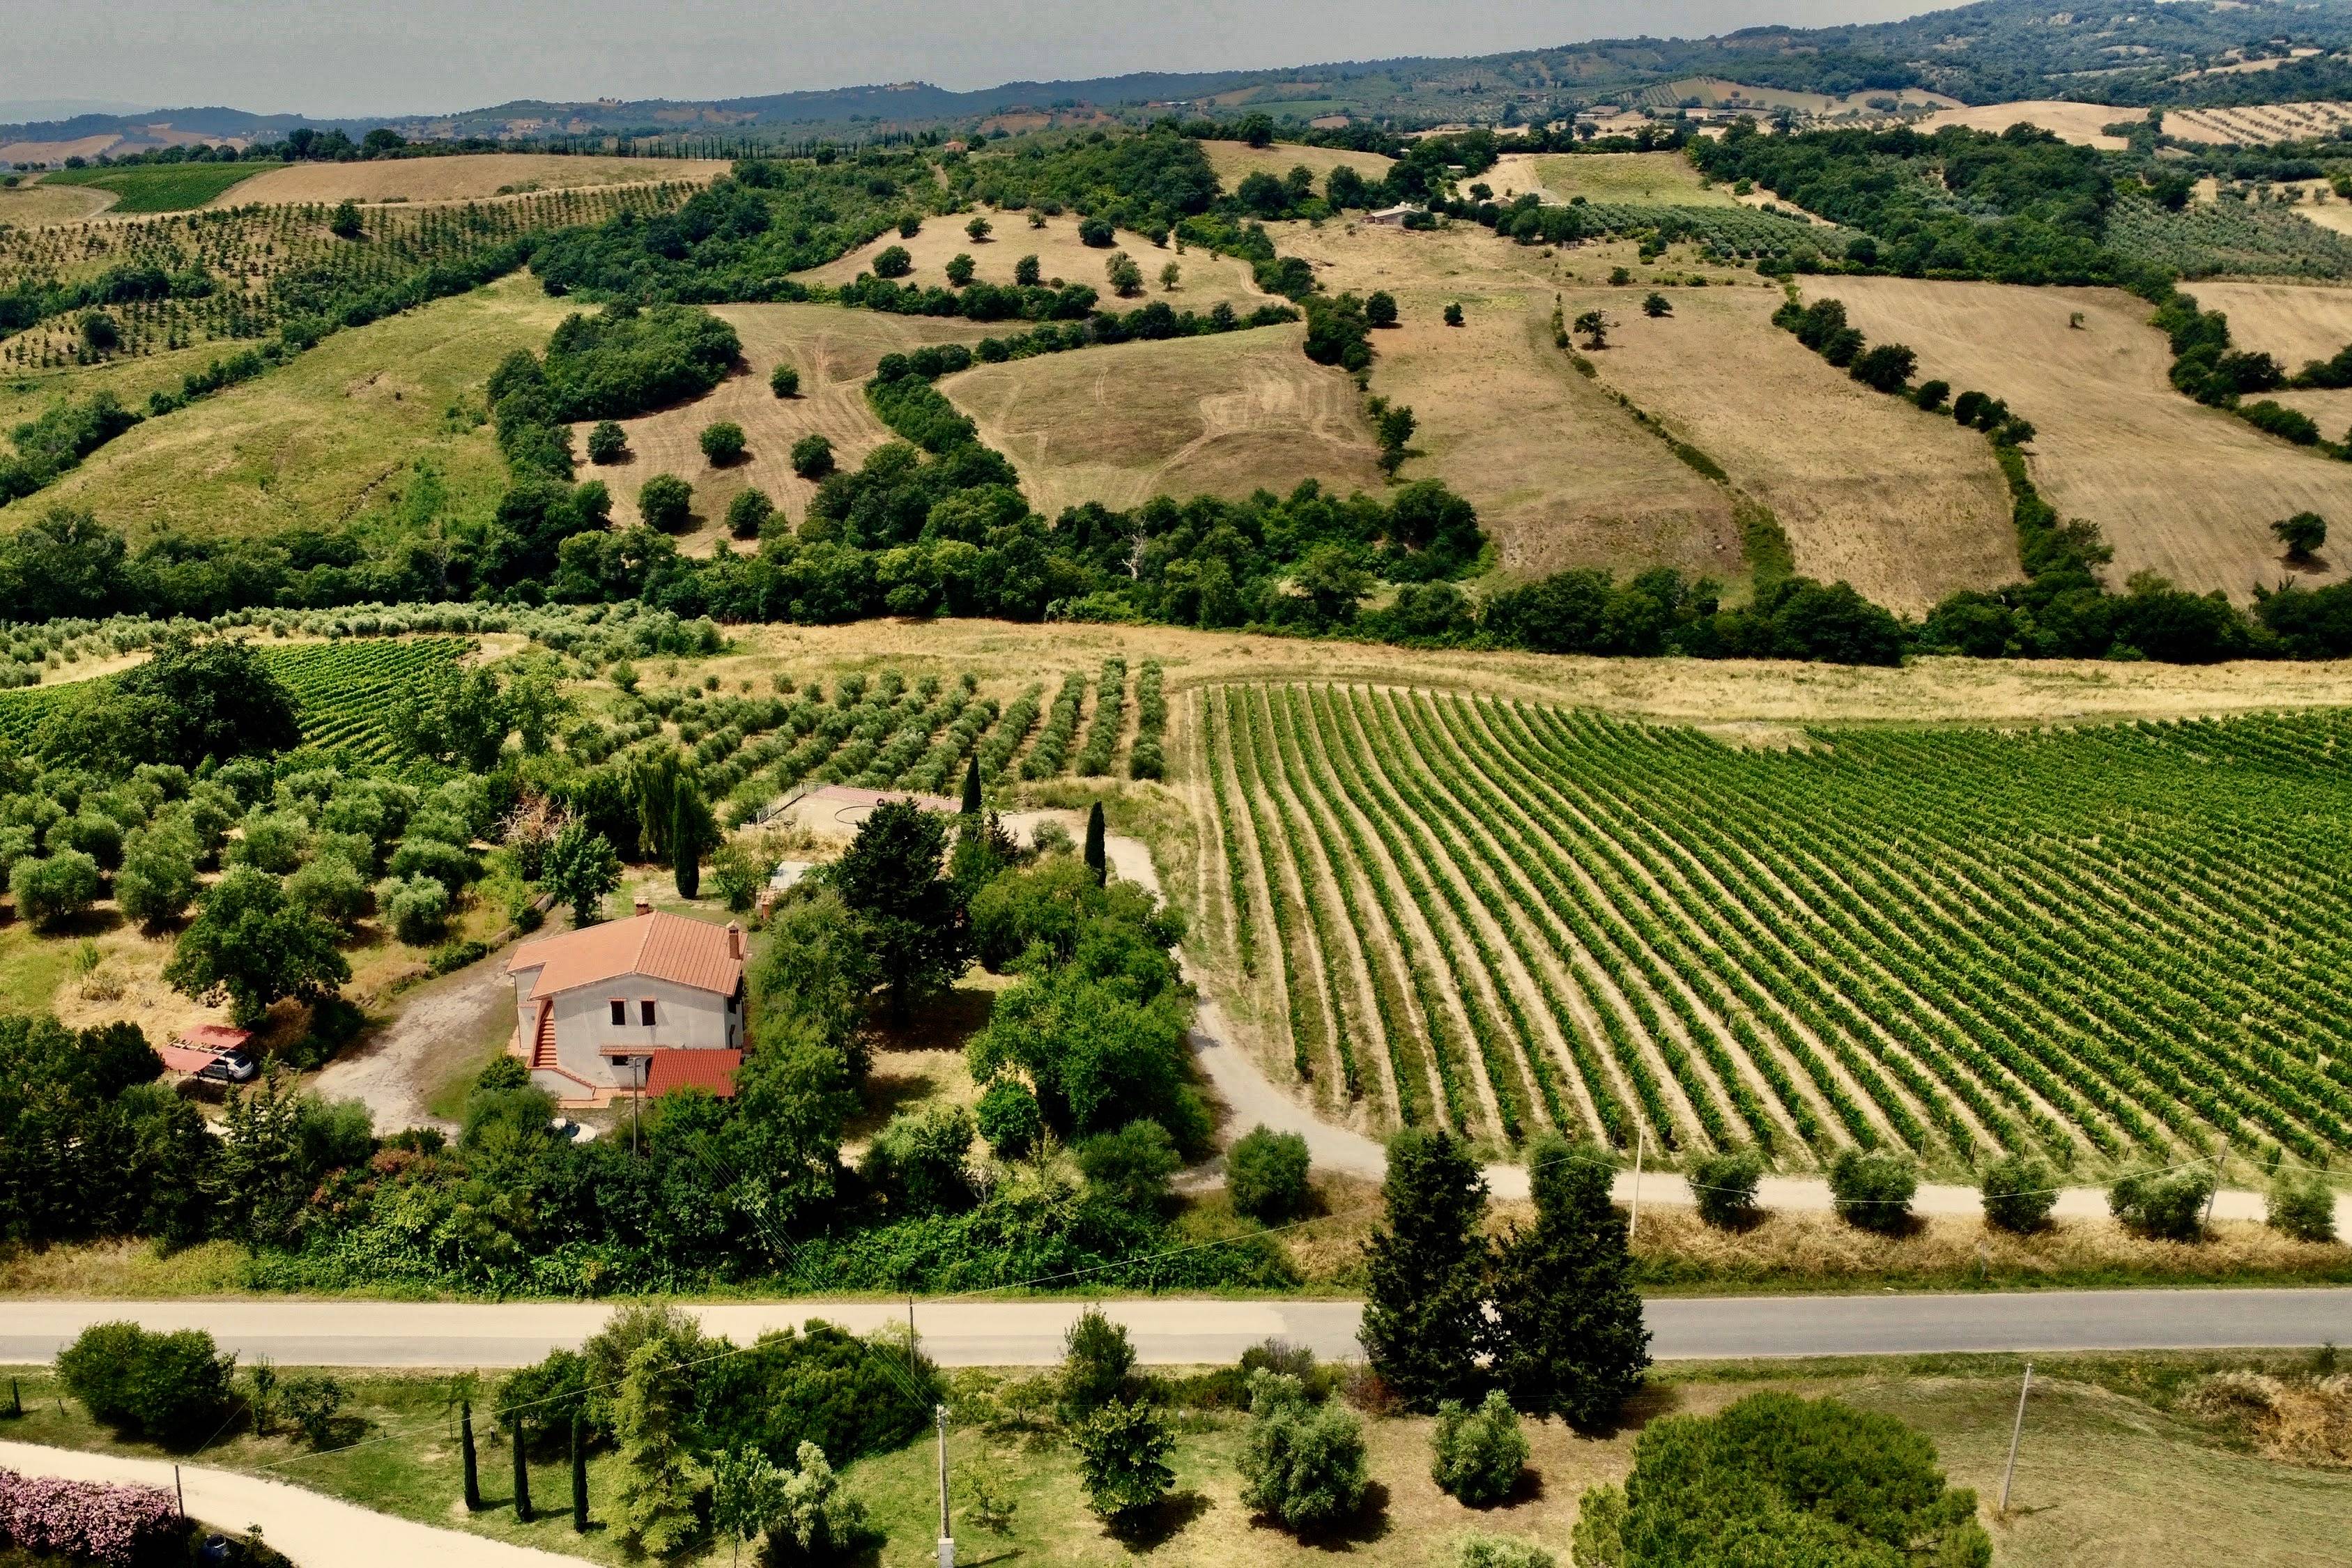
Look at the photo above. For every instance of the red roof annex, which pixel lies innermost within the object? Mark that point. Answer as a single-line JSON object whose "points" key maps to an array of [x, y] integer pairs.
{"points": [[674, 1068]]}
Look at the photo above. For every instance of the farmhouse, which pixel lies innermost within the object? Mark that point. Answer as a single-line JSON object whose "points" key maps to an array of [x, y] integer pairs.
{"points": [[649, 1003], [1394, 216]]}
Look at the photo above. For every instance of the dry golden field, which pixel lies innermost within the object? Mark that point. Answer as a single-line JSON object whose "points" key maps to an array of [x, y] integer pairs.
{"points": [[328, 439], [2254, 125], [1219, 416], [1207, 279], [834, 349], [463, 177], [1638, 177], [1905, 506], [2081, 124], [1561, 475], [31, 205], [2183, 490], [2293, 322], [1237, 161]]}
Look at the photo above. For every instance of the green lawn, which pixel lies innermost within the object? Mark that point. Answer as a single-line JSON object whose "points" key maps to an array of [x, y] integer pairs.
{"points": [[1650, 177], [2105, 1474], [161, 187]]}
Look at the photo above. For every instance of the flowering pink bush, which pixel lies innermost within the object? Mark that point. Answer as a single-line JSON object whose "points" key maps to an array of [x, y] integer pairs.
{"points": [[88, 1520]]}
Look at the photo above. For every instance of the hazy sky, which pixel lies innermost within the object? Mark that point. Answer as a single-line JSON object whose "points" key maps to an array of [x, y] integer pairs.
{"points": [[357, 57]]}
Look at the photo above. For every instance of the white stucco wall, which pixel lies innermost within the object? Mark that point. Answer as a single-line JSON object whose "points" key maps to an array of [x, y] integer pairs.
{"points": [[683, 1018]]}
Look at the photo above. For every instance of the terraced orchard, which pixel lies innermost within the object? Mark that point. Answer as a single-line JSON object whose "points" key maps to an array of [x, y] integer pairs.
{"points": [[2101, 943]]}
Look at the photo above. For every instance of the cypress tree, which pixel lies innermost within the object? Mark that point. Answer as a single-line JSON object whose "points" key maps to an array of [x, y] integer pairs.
{"points": [[1423, 1312], [1098, 859], [521, 1474], [473, 1472], [971, 786], [1568, 1338], [685, 836], [579, 1478]]}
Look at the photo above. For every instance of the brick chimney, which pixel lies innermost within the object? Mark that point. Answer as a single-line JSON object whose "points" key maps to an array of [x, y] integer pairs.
{"points": [[645, 906], [734, 940]]}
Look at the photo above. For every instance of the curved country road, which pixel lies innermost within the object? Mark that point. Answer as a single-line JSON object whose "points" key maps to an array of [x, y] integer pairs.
{"points": [[1169, 1330], [313, 1530]]}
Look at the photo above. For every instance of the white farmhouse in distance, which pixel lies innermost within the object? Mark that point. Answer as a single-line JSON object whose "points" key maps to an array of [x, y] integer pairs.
{"points": [[649, 1003]]}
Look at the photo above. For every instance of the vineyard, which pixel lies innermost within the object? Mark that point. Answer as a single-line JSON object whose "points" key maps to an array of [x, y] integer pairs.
{"points": [[244, 272], [346, 690], [2102, 944]]}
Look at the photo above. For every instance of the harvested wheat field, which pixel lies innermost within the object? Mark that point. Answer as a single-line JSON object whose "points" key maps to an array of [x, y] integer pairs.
{"points": [[337, 437], [1061, 256], [1561, 475], [1647, 178], [2293, 322], [464, 177], [2084, 124], [1237, 161], [834, 350], [35, 206], [1219, 416], [2179, 489], [1905, 506]]}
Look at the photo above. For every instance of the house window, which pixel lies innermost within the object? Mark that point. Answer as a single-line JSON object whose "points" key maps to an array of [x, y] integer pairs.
{"points": [[646, 1012], [620, 1012], [730, 1005]]}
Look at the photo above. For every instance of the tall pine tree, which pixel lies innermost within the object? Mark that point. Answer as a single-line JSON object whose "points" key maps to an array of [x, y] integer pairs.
{"points": [[1567, 1334], [1424, 1317]]}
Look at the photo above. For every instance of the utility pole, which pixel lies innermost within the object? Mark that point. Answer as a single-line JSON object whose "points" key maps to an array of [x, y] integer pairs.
{"points": [[946, 1536], [1640, 1143], [2015, 1432], [2221, 1164]]}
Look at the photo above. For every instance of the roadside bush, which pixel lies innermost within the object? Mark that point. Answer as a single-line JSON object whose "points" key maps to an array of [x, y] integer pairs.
{"points": [[1266, 1173], [1010, 1118], [1723, 1186], [2163, 1205], [2019, 1193], [1301, 1463], [170, 1387], [723, 443], [1123, 1452], [1873, 1191], [666, 503], [1133, 1166], [1477, 1456], [2302, 1207], [315, 1404], [1097, 1365], [915, 1163], [812, 457]]}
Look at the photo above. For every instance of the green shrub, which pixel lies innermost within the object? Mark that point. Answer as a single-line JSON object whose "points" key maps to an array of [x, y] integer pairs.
{"points": [[893, 261], [1599, 1539], [607, 442], [1097, 1365], [1010, 1118], [2019, 1193], [56, 889], [723, 443], [749, 512], [666, 503], [170, 1387], [812, 457], [1131, 1166], [1873, 1191], [1123, 1453], [915, 1163], [2303, 1206], [2163, 1205], [417, 907], [313, 1402], [784, 381], [1723, 1186], [1477, 1456], [1301, 1463], [1265, 1172], [1476, 1551]]}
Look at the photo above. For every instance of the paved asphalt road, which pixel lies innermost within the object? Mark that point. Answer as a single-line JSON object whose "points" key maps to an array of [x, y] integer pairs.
{"points": [[1182, 1332]]}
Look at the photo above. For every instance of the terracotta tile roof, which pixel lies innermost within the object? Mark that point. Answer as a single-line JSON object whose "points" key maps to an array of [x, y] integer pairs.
{"points": [[679, 1068], [202, 1046], [663, 945]]}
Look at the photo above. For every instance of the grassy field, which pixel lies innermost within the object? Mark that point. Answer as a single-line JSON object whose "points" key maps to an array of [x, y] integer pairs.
{"points": [[163, 187], [465, 177], [39, 203], [2176, 488], [1561, 475], [1216, 415], [1208, 278], [1499, 917], [348, 433], [1652, 178], [834, 350], [2293, 322], [1904, 506], [1237, 161], [2112, 1470]]}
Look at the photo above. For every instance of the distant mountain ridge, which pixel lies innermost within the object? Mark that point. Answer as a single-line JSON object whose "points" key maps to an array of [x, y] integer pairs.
{"points": [[1989, 52]]}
